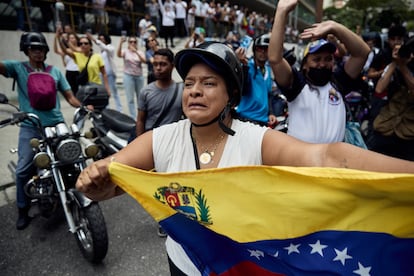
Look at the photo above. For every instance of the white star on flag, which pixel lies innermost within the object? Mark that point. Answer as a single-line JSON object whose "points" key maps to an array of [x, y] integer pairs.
{"points": [[292, 248], [256, 253], [342, 255], [317, 248], [362, 271]]}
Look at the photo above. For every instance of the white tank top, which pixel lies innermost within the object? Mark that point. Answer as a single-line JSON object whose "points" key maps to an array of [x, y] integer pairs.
{"points": [[317, 116], [173, 152], [70, 64]]}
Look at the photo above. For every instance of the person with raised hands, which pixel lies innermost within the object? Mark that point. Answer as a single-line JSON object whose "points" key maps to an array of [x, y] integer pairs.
{"points": [[317, 111]]}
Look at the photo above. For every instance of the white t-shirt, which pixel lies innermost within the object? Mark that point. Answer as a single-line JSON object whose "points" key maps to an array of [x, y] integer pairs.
{"points": [[325, 124], [178, 155], [181, 9], [107, 53]]}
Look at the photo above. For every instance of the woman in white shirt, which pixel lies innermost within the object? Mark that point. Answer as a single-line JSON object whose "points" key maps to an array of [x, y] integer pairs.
{"points": [[211, 138], [167, 22]]}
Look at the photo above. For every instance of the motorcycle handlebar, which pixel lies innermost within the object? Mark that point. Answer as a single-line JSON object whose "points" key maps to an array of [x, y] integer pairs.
{"points": [[5, 122], [19, 117]]}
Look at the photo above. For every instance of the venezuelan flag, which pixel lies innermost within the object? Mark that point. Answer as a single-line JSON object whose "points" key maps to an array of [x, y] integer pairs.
{"points": [[263, 220]]}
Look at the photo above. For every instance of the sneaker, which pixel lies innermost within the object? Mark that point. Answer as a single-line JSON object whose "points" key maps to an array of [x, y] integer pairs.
{"points": [[161, 232], [23, 220]]}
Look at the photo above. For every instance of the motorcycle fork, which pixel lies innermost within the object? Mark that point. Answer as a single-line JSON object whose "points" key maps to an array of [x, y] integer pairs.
{"points": [[64, 199]]}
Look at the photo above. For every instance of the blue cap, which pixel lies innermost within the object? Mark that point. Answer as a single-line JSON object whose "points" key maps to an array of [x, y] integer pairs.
{"points": [[318, 46]]}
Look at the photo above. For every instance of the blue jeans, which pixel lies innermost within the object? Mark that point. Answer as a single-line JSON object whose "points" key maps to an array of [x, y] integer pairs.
{"points": [[114, 92], [133, 85], [25, 168]]}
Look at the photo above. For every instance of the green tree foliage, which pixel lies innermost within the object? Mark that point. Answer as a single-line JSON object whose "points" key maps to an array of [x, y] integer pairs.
{"points": [[370, 14], [347, 16]]}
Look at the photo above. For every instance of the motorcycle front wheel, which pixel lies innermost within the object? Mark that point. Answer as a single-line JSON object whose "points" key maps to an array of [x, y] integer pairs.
{"points": [[91, 234]]}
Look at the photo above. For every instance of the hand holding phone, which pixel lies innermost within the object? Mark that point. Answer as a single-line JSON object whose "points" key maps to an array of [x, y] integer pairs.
{"points": [[246, 41]]}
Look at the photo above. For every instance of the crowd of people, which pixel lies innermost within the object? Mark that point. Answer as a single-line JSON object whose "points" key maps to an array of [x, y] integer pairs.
{"points": [[113, 17], [226, 96]]}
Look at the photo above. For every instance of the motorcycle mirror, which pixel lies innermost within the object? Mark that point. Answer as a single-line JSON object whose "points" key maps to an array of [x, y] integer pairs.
{"points": [[3, 99]]}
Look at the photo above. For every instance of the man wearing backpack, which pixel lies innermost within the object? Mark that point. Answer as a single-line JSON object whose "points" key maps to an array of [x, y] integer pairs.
{"points": [[37, 86]]}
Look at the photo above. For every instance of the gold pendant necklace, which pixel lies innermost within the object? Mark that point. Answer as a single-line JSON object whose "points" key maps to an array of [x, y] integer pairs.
{"points": [[207, 155]]}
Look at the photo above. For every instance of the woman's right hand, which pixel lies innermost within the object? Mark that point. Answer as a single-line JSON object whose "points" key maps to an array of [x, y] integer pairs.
{"points": [[94, 181]]}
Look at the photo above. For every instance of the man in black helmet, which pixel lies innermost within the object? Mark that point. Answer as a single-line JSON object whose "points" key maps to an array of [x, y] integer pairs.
{"points": [[34, 45], [255, 104]]}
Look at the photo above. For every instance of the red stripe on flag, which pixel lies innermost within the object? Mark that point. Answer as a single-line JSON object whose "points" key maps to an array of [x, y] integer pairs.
{"points": [[247, 268]]}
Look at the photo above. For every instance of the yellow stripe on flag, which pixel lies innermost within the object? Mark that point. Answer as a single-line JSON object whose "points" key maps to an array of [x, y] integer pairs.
{"points": [[261, 202]]}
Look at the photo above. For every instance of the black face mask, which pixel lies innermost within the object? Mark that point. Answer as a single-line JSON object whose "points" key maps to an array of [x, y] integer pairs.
{"points": [[319, 76]]}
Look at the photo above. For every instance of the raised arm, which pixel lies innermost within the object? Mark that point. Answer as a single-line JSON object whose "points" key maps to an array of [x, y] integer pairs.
{"points": [[357, 49], [162, 10], [67, 51], [281, 68], [102, 46], [56, 47], [119, 51], [399, 63]]}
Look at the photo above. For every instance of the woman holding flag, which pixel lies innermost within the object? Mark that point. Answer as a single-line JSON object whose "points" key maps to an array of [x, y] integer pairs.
{"points": [[211, 137]]}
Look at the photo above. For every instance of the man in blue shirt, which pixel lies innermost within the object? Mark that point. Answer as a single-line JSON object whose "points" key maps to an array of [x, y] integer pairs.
{"points": [[255, 104], [35, 47]]}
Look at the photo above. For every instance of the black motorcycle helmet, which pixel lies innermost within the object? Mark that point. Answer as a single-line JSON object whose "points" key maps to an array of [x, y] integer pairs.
{"points": [[223, 60], [218, 56], [29, 39], [262, 41]]}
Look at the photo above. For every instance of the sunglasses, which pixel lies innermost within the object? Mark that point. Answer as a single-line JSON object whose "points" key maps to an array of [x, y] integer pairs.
{"points": [[36, 48], [261, 48], [83, 43], [132, 41]]}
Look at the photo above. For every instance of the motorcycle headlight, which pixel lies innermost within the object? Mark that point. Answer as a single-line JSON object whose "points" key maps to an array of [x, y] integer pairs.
{"points": [[68, 150], [34, 143], [90, 148], [41, 160]]}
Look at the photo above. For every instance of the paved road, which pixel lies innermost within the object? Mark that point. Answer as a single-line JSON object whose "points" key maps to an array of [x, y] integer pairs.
{"points": [[42, 249]]}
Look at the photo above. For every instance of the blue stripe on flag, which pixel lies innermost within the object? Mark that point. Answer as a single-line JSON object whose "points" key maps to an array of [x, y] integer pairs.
{"points": [[321, 253]]}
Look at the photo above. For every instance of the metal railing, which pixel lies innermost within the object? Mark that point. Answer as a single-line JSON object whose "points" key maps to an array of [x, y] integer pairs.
{"points": [[44, 15]]}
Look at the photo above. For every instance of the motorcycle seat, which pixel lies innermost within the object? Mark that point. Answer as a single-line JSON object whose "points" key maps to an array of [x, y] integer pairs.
{"points": [[117, 121]]}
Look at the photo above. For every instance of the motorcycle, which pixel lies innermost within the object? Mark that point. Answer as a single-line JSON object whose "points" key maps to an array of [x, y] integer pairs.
{"points": [[280, 108], [110, 130], [59, 159], [358, 108]]}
